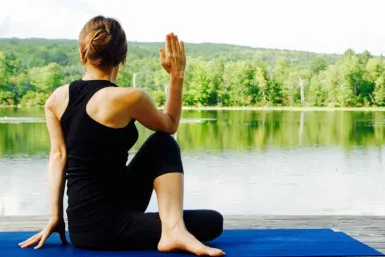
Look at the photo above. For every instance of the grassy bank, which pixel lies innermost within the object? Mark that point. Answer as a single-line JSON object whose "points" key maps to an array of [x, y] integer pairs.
{"points": [[287, 108], [245, 108]]}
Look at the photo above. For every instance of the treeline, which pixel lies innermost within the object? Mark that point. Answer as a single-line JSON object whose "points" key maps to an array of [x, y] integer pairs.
{"points": [[216, 74]]}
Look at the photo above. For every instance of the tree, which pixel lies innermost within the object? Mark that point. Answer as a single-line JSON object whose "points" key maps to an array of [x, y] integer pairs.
{"points": [[6, 71], [353, 87], [241, 84], [379, 91], [318, 65], [374, 68], [291, 87], [364, 57], [47, 79], [215, 71], [316, 93], [21, 85], [262, 81], [281, 71], [331, 85], [124, 78], [198, 84]]}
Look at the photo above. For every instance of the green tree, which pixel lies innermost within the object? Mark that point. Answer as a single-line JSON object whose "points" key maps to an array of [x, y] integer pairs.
{"points": [[318, 65], [49, 78], [215, 71], [6, 71], [262, 82], [316, 93], [379, 92]]}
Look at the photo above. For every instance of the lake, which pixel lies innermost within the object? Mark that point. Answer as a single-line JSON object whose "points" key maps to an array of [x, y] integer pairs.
{"points": [[238, 162]]}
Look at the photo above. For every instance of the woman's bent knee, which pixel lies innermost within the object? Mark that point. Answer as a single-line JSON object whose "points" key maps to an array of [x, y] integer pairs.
{"points": [[164, 141], [217, 225], [163, 137], [206, 225], [165, 153]]}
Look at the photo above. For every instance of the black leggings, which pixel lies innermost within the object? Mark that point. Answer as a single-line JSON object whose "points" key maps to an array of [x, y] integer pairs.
{"points": [[136, 229]]}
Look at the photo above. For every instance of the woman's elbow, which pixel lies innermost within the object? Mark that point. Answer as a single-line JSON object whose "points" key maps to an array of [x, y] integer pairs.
{"points": [[167, 130], [173, 130], [172, 127], [58, 155]]}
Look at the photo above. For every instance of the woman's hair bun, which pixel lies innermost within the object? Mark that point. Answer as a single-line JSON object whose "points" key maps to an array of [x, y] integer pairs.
{"points": [[103, 42]]}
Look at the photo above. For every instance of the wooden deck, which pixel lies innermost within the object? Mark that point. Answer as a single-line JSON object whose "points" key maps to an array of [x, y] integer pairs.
{"points": [[368, 229]]}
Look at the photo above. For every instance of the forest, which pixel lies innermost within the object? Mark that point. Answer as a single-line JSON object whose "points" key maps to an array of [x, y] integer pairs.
{"points": [[216, 74]]}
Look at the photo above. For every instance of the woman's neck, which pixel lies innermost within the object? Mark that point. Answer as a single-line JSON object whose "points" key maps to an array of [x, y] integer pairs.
{"points": [[92, 73]]}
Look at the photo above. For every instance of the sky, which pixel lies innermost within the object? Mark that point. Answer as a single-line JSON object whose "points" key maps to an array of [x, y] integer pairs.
{"points": [[327, 26]]}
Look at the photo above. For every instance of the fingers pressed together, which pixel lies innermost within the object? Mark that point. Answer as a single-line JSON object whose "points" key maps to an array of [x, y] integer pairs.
{"points": [[31, 241]]}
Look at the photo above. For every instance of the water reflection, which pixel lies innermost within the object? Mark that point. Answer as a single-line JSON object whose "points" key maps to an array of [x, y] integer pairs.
{"points": [[230, 130], [239, 162]]}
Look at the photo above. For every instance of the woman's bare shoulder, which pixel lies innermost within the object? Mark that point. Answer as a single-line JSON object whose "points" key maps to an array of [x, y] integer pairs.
{"points": [[126, 95], [58, 94], [58, 100]]}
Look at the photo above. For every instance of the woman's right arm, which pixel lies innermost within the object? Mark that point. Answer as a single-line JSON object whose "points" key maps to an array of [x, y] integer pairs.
{"points": [[143, 109]]}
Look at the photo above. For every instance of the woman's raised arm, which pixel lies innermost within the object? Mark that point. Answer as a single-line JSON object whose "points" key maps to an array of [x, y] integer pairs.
{"points": [[142, 108]]}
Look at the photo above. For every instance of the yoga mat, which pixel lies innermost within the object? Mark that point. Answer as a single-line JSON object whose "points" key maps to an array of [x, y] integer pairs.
{"points": [[239, 243]]}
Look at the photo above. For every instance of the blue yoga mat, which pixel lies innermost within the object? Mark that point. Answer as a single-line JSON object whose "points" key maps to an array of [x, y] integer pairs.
{"points": [[239, 243]]}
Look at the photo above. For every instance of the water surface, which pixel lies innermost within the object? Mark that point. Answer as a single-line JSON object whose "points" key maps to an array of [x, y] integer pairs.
{"points": [[238, 162]]}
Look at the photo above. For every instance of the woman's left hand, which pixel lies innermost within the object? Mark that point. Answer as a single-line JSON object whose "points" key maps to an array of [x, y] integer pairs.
{"points": [[54, 225]]}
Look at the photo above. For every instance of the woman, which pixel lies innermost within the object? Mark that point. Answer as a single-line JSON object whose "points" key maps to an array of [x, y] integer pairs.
{"points": [[91, 124]]}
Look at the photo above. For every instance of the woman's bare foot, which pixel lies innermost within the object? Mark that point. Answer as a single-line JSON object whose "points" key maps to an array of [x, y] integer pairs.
{"points": [[179, 238]]}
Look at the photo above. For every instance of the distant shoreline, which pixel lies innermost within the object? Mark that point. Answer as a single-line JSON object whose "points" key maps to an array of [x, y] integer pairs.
{"points": [[288, 108], [245, 108]]}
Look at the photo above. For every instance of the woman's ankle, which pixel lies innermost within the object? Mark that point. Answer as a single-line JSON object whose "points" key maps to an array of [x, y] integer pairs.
{"points": [[172, 225]]}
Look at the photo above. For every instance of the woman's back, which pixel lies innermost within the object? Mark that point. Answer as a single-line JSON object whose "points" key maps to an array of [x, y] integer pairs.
{"points": [[96, 154], [87, 139]]}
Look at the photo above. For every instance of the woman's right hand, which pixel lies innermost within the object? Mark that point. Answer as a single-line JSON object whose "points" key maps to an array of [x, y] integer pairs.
{"points": [[173, 59], [54, 225]]}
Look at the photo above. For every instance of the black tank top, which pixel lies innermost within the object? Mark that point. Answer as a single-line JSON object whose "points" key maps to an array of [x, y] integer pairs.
{"points": [[96, 154]]}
